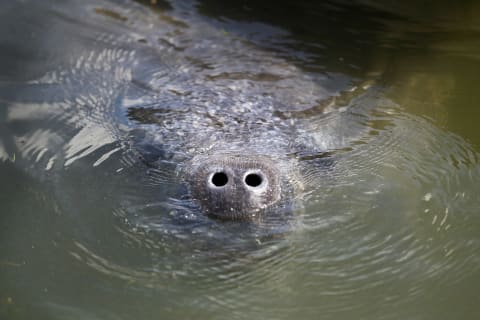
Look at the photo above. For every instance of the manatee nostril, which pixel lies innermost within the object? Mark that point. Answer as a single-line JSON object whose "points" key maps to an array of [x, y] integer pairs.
{"points": [[253, 179], [219, 179], [244, 186]]}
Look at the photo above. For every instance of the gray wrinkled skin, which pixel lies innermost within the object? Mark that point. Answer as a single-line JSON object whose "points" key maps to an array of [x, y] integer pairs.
{"points": [[254, 113], [171, 96], [233, 194], [234, 133]]}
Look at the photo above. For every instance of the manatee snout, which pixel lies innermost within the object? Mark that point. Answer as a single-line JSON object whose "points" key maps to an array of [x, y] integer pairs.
{"points": [[236, 186]]}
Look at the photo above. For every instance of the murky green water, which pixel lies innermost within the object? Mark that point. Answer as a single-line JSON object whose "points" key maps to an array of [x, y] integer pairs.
{"points": [[390, 230]]}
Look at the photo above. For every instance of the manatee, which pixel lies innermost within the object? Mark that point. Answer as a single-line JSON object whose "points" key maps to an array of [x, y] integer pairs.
{"points": [[244, 132], [240, 156]]}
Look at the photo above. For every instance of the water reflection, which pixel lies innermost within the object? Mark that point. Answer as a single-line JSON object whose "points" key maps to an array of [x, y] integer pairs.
{"points": [[96, 224]]}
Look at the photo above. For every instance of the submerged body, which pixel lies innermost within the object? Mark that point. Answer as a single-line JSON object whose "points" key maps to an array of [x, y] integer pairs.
{"points": [[163, 94]]}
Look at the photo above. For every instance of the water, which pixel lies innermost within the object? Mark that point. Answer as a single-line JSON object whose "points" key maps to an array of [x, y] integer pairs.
{"points": [[390, 231]]}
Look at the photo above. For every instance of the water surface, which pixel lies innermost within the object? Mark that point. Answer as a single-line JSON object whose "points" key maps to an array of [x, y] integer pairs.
{"points": [[389, 231]]}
